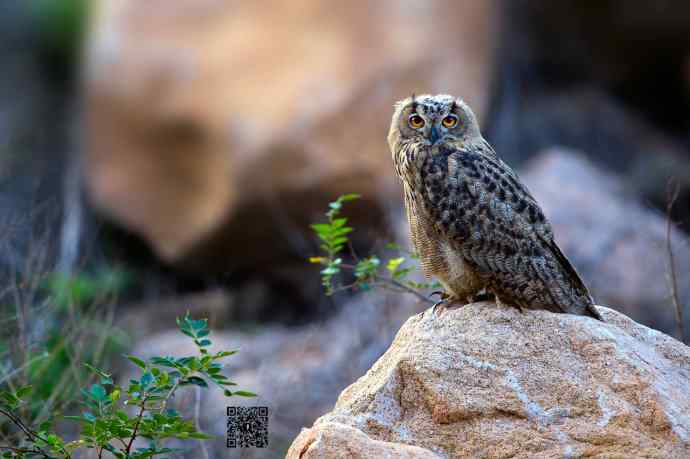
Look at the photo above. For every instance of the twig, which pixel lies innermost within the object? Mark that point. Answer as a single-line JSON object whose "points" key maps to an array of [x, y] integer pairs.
{"points": [[404, 288], [31, 435], [673, 191], [27, 451], [136, 427], [395, 283], [18, 422], [197, 413]]}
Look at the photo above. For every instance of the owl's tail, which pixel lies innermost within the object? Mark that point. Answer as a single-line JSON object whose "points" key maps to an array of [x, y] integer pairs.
{"points": [[583, 302]]}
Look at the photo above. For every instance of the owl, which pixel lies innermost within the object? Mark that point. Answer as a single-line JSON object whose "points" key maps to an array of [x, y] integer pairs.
{"points": [[474, 225]]}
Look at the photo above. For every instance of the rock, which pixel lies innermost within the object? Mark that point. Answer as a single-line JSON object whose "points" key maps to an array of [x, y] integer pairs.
{"points": [[331, 440], [207, 117], [489, 381], [617, 244]]}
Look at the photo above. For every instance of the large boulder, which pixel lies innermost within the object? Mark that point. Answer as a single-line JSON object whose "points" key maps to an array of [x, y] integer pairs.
{"points": [[489, 381], [208, 118]]}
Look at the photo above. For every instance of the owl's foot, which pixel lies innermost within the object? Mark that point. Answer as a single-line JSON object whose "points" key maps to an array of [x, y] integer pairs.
{"points": [[443, 303], [439, 303]]}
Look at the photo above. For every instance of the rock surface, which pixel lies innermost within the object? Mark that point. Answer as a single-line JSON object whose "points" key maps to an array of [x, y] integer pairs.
{"points": [[616, 243], [489, 381], [204, 115]]}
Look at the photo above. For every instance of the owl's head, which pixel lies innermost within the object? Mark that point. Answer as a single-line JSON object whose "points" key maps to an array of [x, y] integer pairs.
{"points": [[428, 120]]}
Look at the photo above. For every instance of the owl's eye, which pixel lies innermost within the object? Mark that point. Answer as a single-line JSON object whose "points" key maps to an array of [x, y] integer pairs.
{"points": [[416, 121], [450, 121]]}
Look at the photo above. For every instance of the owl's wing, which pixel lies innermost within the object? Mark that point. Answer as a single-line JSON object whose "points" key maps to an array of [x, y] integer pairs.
{"points": [[491, 218]]}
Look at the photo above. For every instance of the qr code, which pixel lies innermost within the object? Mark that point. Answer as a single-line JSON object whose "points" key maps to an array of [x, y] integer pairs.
{"points": [[247, 427]]}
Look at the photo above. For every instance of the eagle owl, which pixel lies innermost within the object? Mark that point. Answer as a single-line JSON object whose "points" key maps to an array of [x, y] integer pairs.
{"points": [[474, 225]]}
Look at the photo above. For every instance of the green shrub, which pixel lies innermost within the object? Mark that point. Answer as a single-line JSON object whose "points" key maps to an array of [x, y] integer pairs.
{"points": [[368, 272], [107, 425]]}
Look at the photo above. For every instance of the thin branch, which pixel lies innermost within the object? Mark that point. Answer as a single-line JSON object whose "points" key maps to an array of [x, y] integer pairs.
{"points": [[136, 427], [197, 414], [673, 191], [404, 287], [392, 282], [27, 451], [18, 422], [31, 435]]}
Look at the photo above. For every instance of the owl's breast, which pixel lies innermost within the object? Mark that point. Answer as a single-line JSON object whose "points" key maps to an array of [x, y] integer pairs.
{"points": [[424, 237]]}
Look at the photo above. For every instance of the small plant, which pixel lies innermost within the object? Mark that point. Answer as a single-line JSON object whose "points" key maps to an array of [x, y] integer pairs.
{"points": [[106, 424], [368, 272]]}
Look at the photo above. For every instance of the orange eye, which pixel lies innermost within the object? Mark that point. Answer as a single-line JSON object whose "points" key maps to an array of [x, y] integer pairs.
{"points": [[450, 121], [416, 121]]}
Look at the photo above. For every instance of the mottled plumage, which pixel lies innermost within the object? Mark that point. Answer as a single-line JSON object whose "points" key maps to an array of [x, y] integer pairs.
{"points": [[473, 223]]}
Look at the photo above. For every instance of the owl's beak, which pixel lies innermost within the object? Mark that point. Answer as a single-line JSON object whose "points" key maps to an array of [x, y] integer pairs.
{"points": [[434, 135]]}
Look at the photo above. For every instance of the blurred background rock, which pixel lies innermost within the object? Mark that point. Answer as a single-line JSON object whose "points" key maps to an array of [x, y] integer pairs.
{"points": [[189, 143]]}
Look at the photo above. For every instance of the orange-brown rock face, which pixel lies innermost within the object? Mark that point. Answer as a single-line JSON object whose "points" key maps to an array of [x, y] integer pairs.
{"points": [[487, 381], [204, 117]]}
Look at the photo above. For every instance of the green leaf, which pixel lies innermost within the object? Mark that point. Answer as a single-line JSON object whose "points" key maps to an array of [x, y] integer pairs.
{"points": [[23, 391], [9, 398], [46, 425], [200, 324], [146, 380], [163, 361], [244, 393], [342, 231], [349, 197], [321, 227], [339, 241], [98, 392], [114, 395], [338, 222], [394, 263], [195, 380], [221, 354], [136, 361], [330, 270]]}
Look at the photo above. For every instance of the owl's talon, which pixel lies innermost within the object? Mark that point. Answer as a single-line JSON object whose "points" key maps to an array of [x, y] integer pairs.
{"points": [[441, 302]]}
